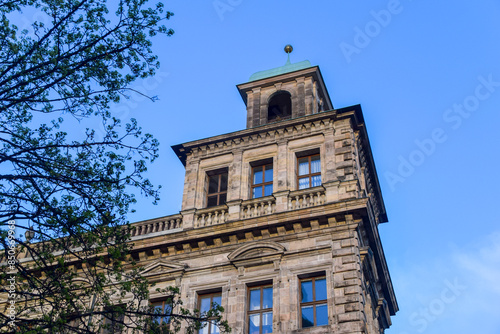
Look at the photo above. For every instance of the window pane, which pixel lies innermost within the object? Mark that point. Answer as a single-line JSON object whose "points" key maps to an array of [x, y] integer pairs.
{"points": [[255, 299], [316, 180], [158, 308], [212, 201], [257, 175], [205, 304], [303, 166], [268, 190], [307, 316], [222, 199], [214, 329], [320, 287], [315, 164], [257, 192], [167, 309], [204, 330], [321, 315], [267, 322], [213, 184], [269, 173], [306, 288], [216, 300], [267, 301], [304, 183], [223, 182], [254, 324]]}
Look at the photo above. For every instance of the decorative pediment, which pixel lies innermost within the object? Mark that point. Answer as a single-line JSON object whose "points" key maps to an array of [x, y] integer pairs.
{"points": [[257, 253], [162, 267], [82, 282]]}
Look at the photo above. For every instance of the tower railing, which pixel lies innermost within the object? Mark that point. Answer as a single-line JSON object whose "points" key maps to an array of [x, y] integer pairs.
{"points": [[306, 197], [157, 225], [257, 207], [211, 216]]}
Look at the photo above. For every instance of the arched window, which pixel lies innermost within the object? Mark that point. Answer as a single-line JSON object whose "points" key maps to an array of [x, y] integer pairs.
{"points": [[280, 106]]}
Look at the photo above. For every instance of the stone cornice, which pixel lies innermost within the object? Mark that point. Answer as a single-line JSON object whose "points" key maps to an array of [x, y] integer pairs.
{"points": [[261, 135], [228, 231]]}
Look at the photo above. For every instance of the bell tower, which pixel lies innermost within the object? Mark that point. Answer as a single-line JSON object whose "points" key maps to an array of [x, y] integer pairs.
{"points": [[279, 221], [285, 92]]}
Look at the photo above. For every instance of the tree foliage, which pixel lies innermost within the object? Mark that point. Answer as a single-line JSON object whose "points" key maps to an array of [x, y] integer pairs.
{"points": [[76, 273]]}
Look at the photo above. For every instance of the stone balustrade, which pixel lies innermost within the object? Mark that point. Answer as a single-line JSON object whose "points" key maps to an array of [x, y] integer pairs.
{"points": [[258, 207], [157, 225], [306, 197], [211, 216]]}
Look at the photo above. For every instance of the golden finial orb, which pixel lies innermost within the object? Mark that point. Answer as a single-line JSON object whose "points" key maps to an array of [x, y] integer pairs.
{"points": [[288, 48]]}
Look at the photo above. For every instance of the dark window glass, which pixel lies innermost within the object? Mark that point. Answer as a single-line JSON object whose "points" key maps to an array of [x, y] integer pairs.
{"points": [[212, 201], [213, 184], [313, 307], [113, 321], [217, 189], [262, 181], [222, 199], [223, 182], [260, 310]]}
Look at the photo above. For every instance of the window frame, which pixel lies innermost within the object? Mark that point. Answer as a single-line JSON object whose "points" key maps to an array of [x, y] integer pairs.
{"points": [[314, 303], [264, 183], [219, 174], [163, 301], [309, 175], [260, 311], [204, 295], [120, 320]]}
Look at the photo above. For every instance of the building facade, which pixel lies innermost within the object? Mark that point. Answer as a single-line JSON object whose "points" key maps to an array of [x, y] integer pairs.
{"points": [[279, 221]]}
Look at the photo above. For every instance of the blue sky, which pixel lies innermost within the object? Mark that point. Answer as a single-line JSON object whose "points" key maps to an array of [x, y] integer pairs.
{"points": [[427, 76]]}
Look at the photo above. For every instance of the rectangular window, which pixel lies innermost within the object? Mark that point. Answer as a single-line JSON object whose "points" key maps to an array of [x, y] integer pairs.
{"points": [[113, 321], [260, 309], [217, 188], [205, 303], [74, 324], [313, 306], [162, 307], [309, 171], [262, 180]]}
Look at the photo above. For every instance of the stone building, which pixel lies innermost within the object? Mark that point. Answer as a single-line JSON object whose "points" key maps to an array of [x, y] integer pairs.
{"points": [[279, 221]]}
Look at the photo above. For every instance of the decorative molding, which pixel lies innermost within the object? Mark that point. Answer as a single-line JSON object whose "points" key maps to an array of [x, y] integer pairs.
{"points": [[257, 253], [163, 267]]}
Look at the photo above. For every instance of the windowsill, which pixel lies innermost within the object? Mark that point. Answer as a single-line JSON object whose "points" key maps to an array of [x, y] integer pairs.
{"points": [[211, 209], [313, 330], [258, 200], [307, 191]]}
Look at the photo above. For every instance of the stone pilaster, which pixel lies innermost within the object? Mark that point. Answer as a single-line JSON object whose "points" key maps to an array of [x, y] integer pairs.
{"points": [[301, 93], [308, 96], [349, 308], [235, 176], [255, 107], [190, 179]]}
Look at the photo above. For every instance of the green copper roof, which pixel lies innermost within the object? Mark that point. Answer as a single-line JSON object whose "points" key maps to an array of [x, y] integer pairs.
{"points": [[288, 67]]}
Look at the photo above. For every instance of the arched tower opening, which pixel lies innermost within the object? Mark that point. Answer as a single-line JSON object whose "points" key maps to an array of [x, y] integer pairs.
{"points": [[280, 106]]}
